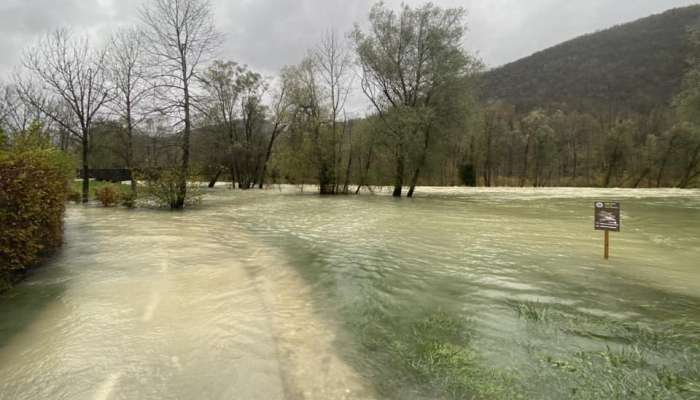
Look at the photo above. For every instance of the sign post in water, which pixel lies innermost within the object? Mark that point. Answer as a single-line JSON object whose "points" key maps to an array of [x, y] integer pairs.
{"points": [[607, 218]]}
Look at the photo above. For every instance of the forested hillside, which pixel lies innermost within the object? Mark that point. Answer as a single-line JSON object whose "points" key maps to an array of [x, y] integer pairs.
{"points": [[632, 67]]}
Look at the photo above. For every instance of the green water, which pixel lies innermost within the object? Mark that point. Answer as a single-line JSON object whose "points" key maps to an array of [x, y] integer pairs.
{"points": [[455, 294]]}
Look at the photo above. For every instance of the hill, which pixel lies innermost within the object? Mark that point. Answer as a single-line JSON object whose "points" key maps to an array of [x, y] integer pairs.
{"points": [[632, 67]]}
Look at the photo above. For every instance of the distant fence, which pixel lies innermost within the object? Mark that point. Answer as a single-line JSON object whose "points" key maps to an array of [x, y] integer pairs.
{"points": [[107, 175]]}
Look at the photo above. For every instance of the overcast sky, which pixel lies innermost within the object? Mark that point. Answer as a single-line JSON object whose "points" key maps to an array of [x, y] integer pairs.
{"points": [[267, 34]]}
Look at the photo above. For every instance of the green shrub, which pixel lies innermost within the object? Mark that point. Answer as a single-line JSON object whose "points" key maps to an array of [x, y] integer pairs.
{"points": [[33, 192], [108, 196]]}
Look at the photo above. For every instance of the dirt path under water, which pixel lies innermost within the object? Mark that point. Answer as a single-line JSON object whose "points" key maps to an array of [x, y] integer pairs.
{"points": [[167, 307]]}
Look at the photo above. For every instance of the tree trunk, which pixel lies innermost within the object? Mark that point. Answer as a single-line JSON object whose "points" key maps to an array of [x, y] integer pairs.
{"points": [[232, 171], [268, 154], [536, 182], [575, 166], [181, 195], [641, 177], [611, 167], [346, 184], [414, 181], [130, 147], [215, 179], [689, 174], [664, 161], [398, 179], [421, 163], [365, 173], [86, 167], [325, 179], [488, 163], [523, 176]]}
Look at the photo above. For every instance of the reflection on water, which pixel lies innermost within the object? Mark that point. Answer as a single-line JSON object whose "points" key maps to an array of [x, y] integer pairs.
{"points": [[264, 295]]}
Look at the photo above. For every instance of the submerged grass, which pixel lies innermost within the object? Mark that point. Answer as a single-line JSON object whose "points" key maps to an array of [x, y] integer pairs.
{"points": [[435, 355], [618, 374], [631, 359], [432, 357], [531, 311]]}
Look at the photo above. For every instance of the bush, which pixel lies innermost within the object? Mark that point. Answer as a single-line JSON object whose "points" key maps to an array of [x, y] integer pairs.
{"points": [[33, 191], [128, 199], [108, 196], [161, 188]]}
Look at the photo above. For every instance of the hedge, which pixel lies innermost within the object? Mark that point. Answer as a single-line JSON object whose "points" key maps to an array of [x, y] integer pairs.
{"points": [[33, 192]]}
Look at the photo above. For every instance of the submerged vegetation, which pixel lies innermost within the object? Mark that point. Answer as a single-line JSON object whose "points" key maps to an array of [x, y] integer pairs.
{"points": [[437, 357], [621, 360], [430, 357]]}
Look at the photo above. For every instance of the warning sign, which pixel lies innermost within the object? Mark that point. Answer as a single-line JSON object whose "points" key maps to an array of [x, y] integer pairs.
{"points": [[607, 216]]}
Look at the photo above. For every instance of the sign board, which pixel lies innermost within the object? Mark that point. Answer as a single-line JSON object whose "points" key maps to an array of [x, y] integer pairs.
{"points": [[607, 216]]}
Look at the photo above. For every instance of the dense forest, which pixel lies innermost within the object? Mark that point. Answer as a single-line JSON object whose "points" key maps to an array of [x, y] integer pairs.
{"points": [[614, 108], [610, 108]]}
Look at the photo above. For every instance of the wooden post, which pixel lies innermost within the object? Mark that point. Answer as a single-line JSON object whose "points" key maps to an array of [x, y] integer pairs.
{"points": [[607, 244]]}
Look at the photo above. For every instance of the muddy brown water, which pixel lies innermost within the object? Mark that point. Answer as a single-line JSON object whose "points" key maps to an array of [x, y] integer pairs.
{"points": [[258, 295]]}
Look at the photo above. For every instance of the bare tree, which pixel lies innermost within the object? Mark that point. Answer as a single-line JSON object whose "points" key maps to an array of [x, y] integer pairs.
{"points": [[15, 117], [65, 71], [179, 36], [279, 125], [333, 65], [128, 72]]}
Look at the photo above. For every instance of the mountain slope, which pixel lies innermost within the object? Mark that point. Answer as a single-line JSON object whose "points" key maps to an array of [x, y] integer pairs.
{"points": [[631, 67]]}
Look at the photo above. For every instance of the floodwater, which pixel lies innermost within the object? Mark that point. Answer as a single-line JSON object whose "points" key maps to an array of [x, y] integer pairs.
{"points": [[459, 293]]}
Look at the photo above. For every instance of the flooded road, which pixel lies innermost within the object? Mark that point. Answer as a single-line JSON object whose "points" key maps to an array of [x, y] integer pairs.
{"points": [[278, 295]]}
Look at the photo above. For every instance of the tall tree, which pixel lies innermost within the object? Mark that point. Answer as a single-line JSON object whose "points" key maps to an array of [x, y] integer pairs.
{"points": [[179, 36], [306, 117], [279, 118], [222, 80], [127, 69], [332, 64], [64, 70], [407, 59], [249, 151]]}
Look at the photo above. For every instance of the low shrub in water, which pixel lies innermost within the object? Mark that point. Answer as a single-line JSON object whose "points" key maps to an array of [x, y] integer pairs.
{"points": [[108, 196], [162, 187], [128, 199]]}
